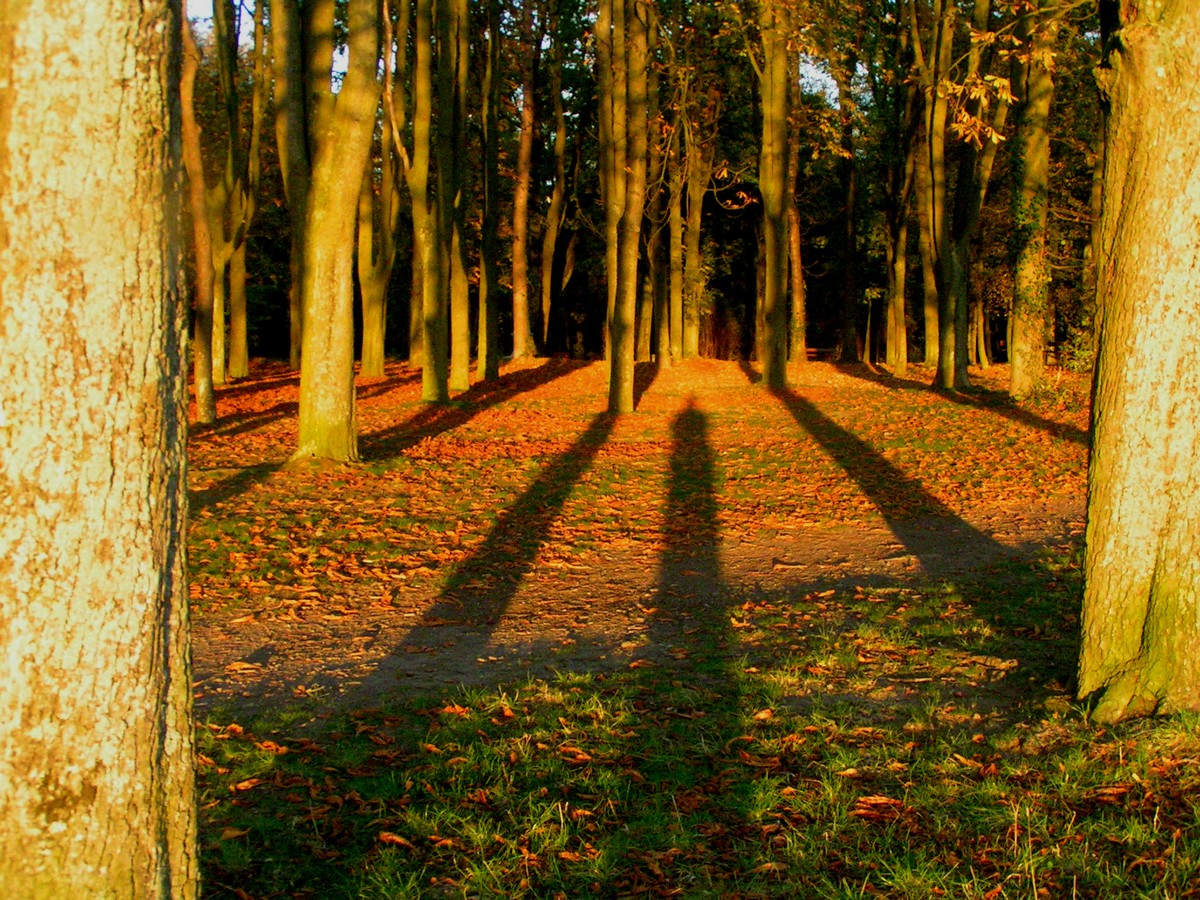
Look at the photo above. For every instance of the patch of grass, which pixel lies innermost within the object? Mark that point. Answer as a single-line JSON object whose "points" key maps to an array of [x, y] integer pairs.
{"points": [[740, 775]]}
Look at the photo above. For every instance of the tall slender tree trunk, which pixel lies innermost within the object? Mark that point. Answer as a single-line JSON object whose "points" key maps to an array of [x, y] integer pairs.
{"points": [[621, 325], [522, 332], [1141, 606], [558, 193], [488, 357], [798, 320], [96, 783], [675, 187], [610, 75], [848, 178], [774, 80], [699, 170], [291, 139], [202, 292], [342, 143], [923, 201], [1031, 201], [453, 58]]}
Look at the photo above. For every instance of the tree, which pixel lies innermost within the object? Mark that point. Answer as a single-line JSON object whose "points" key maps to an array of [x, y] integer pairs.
{"points": [[341, 129], [488, 356], [96, 789], [531, 42], [202, 269], [1031, 199], [1141, 626], [773, 77]]}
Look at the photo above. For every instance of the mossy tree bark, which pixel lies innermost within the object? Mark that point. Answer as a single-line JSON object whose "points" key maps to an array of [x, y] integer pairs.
{"points": [[1141, 607], [96, 784], [341, 133]]}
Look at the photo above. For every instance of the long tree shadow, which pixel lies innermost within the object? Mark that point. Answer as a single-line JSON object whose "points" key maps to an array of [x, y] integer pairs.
{"points": [[997, 402], [926, 526], [228, 488], [435, 419], [479, 592], [686, 754]]}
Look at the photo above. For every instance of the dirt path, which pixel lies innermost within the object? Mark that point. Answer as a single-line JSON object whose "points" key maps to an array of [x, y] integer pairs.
{"points": [[601, 612]]}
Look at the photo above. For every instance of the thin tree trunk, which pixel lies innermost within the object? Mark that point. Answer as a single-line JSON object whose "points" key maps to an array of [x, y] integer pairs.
{"points": [[798, 321], [848, 178], [202, 294], [488, 360], [773, 181], [522, 333], [454, 49], [675, 182], [621, 326], [96, 774], [923, 200], [558, 194]]}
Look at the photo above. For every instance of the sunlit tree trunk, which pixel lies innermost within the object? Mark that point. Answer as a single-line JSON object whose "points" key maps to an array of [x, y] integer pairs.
{"points": [[434, 325], [798, 312], [773, 79], [202, 292], [341, 143], [1031, 201], [522, 333], [453, 53], [675, 187], [379, 214], [1141, 606], [610, 76], [488, 358], [621, 324], [699, 171], [558, 194], [96, 784], [923, 201], [291, 139]]}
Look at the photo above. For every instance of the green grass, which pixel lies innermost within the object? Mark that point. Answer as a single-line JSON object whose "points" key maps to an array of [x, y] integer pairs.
{"points": [[908, 742]]}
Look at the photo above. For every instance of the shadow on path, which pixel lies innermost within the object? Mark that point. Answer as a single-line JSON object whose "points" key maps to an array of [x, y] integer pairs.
{"points": [[997, 402], [435, 419], [924, 524]]}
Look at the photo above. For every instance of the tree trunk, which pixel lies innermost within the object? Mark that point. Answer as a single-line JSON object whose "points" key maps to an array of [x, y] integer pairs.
{"points": [[848, 178], [342, 143], [798, 321], [488, 359], [202, 294], [773, 181], [1031, 281], [610, 76], [522, 332], [431, 303], [96, 784], [453, 57], [699, 170], [239, 347], [621, 325], [558, 194], [1141, 607], [923, 200], [291, 139], [675, 173]]}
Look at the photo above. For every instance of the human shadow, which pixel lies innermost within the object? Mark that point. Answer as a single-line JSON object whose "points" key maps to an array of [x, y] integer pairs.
{"points": [[996, 402], [926, 526], [437, 418]]}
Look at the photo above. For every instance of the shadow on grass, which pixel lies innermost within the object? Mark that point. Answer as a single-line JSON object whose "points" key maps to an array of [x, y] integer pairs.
{"points": [[228, 488], [997, 402], [432, 420]]}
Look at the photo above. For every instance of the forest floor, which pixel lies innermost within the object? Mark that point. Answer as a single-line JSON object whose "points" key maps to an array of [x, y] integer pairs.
{"points": [[739, 644], [518, 532]]}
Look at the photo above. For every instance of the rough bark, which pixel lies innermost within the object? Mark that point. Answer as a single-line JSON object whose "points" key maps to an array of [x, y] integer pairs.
{"points": [[96, 786], [343, 128], [1141, 607]]}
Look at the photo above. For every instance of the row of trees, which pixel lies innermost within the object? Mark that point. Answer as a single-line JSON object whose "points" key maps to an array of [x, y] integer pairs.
{"points": [[95, 719], [668, 150]]}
